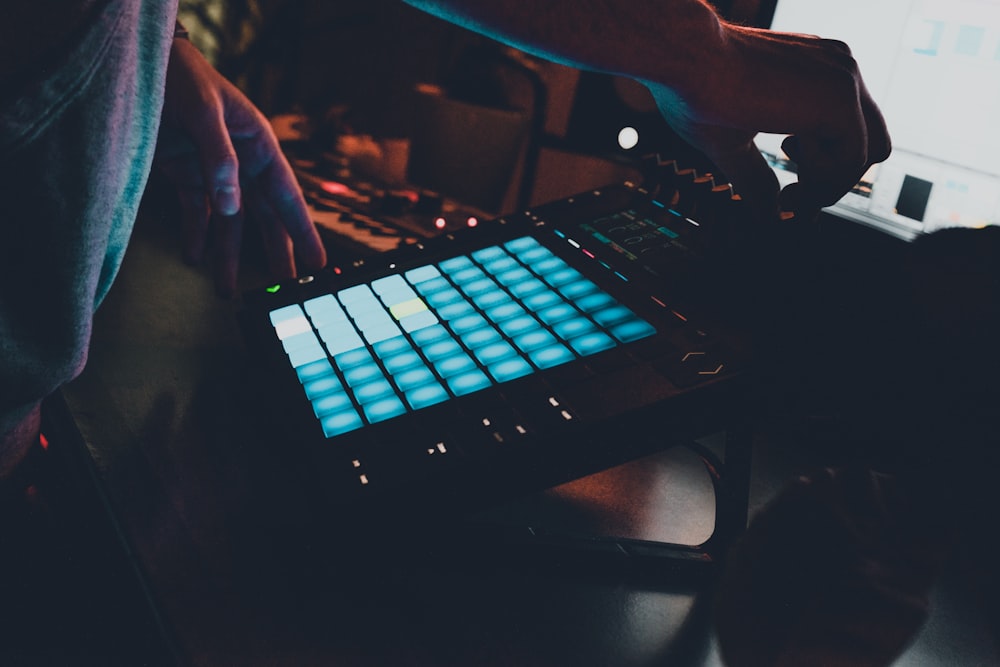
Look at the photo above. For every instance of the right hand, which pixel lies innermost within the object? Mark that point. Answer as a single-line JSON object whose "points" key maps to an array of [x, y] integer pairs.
{"points": [[803, 86]]}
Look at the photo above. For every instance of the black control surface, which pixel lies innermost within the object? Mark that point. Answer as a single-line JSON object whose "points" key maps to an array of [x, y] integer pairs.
{"points": [[644, 362]]}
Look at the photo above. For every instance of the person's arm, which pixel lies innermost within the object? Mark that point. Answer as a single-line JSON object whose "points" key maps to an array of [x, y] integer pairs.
{"points": [[717, 84], [645, 39]]}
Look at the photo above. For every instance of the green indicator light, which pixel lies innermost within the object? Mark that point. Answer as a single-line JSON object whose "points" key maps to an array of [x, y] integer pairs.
{"points": [[273, 289]]}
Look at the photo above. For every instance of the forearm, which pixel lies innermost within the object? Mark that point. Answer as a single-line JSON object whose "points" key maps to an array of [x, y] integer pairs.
{"points": [[716, 84], [668, 41]]}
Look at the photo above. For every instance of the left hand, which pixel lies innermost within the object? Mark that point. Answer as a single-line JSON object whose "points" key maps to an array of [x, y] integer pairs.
{"points": [[221, 154]]}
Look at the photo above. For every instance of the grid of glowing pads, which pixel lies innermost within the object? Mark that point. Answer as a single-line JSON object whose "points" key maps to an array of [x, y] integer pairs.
{"points": [[410, 340]]}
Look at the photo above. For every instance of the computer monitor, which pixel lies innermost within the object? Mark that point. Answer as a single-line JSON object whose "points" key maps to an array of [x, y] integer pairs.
{"points": [[933, 66]]}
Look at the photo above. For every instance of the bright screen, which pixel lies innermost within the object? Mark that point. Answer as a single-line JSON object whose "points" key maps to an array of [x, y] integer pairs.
{"points": [[933, 66]]}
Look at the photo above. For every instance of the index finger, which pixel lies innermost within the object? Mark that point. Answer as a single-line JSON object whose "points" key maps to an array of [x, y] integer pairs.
{"points": [[751, 177], [264, 165], [278, 186]]}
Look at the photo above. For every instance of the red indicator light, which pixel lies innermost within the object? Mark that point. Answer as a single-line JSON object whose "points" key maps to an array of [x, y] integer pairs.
{"points": [[588, 253], [440, 223], [472, 222], [335, 188]]}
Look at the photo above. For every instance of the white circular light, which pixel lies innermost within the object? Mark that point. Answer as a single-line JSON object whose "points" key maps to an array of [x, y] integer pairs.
{"points": [[628, 138]]}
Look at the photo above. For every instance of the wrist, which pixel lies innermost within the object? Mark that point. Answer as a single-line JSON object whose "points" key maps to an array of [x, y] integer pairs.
{"points": [[694, 50], [694, 72]]}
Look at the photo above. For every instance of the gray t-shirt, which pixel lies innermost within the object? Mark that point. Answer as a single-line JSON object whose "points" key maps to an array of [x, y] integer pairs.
{"points": [[77, 135]]}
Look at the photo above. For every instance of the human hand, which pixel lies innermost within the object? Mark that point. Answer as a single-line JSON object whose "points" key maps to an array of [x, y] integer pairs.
{"points": [[799, 85], [224, 159]]}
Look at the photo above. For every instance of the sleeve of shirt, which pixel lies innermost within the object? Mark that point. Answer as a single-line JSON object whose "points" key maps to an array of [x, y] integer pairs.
{"points": [[77, 137]]}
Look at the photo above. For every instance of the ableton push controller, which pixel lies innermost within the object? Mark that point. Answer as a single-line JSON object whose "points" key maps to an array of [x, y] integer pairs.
{"points": [[531, 350]]}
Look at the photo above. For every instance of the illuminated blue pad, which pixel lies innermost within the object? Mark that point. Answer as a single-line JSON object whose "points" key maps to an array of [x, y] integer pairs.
{"points": [[411, 340]]}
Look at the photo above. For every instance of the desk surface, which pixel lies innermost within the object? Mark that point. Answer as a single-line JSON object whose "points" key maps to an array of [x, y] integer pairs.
{"points": [[161, 411]]}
